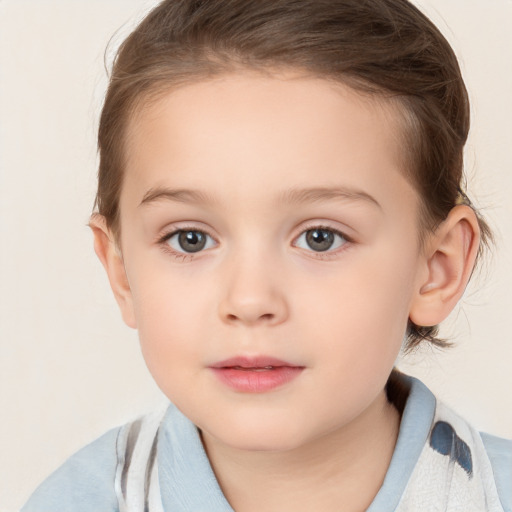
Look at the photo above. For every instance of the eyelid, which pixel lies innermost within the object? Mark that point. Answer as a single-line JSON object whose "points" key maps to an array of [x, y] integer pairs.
{"points": [[172, 229], [327, 225]]}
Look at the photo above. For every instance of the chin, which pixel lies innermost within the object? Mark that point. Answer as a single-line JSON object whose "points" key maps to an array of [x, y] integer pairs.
{"points": [[274, 437], [276, 445]]}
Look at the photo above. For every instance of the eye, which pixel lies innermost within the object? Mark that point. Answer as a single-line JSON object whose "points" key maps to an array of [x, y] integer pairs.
{"points": [[321, 239], [189, 240]]}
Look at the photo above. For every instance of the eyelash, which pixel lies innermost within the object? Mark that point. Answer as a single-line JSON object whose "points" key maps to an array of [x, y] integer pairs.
{"points": [[184, 256]]}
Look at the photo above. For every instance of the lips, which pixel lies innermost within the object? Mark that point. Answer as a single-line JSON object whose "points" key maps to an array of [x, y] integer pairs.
{"points": [[255, 374]]}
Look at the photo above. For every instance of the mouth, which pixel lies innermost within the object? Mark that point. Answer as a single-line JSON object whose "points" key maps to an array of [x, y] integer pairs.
{"points": [[253, 368], [255, 374]]}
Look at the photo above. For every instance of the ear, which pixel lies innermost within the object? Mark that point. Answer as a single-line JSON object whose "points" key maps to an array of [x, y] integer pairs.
{"points": [[110, 256], [449, 262]]}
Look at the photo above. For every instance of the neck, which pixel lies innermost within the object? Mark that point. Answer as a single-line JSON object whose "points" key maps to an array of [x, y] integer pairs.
{"points": [[344, 467]]}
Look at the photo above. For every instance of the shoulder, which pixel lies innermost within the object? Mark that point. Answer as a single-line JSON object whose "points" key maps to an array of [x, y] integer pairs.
{"points": [[84, 483], [498, 448], [499, 451]]}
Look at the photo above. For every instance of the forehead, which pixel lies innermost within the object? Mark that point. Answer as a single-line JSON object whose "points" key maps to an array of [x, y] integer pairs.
{"points": [[244, 132]]}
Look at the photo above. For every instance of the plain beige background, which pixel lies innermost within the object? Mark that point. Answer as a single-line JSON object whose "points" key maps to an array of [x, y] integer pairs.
{"points": [[69, 368]]}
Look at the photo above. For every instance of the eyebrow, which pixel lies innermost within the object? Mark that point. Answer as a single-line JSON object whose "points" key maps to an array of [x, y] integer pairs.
{"points": [[318, 194], [181, 195], [292, 196]]}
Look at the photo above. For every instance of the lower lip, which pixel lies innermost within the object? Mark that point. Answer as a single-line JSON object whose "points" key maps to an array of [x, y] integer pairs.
{"points": [[257, 381]]}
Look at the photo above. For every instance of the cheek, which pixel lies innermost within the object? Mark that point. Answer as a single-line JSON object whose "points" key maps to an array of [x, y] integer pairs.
{"points": [[167, 307], [363, 310]]}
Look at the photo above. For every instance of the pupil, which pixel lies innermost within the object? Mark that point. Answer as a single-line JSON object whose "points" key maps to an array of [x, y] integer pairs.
{"points": [[192, 241], [320, 239]]}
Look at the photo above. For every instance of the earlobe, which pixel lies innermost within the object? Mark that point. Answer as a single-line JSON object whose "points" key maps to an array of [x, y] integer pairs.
{"points": [[449, 262], [111, 258]]}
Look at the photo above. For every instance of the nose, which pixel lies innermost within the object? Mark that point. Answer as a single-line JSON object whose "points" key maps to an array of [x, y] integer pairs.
{"points": [[252, 293]]}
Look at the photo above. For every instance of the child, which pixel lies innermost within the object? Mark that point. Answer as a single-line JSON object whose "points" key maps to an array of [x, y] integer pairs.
{"points": [[280, 209]]}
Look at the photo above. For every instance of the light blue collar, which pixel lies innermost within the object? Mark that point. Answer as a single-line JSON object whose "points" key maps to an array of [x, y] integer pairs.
{"points": [[417, 419]]}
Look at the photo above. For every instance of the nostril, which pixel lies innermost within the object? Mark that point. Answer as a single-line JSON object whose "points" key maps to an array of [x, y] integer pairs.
{"points": [[265, 316]]}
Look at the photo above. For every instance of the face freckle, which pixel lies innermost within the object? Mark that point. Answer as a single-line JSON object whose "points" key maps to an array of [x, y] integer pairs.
{"points": [[253, 162]]}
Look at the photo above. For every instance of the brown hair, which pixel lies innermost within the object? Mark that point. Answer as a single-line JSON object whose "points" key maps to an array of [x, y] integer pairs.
{"points": [[386, 48]]}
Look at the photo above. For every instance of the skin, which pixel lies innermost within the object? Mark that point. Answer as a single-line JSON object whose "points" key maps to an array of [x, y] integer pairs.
{"points": [[259, 288]]}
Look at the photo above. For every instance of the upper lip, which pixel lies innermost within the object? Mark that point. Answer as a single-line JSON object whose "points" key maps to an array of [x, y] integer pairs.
{"points": [[253, 362]]}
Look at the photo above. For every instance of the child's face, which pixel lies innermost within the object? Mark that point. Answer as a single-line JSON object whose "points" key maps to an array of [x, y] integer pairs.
{"points": [[256, 164]]}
